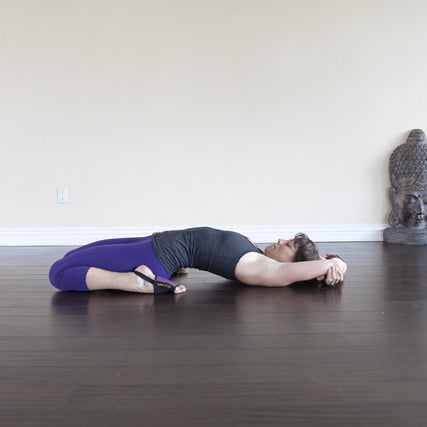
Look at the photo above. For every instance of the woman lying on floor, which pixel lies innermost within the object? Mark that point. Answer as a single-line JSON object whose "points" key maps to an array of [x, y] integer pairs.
{"points": [[146, 264]]}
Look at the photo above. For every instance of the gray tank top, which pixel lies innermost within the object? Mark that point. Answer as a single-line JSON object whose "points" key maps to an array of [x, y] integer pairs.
{"points": [[204, 248]]}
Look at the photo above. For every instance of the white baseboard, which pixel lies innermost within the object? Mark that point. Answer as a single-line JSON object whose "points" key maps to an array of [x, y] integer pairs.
{"points": [[317, 233], [259, 234]]}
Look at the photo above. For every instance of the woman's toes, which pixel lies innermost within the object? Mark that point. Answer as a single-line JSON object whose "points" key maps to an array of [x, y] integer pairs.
{"points": [[180, 289]]}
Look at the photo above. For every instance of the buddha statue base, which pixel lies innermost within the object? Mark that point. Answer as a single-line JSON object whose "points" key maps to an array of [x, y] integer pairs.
{"points": [[405, 236]]}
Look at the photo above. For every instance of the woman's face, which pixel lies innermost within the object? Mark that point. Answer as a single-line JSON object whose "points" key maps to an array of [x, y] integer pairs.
{"points": [[282, 251]]}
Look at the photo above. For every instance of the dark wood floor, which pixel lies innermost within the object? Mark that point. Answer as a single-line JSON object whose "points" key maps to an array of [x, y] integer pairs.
{"points": [[223, 354]]}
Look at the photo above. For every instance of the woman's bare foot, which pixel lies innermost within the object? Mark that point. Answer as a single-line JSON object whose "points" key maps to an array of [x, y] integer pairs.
{"points": [[98, 279], [147, 286]]}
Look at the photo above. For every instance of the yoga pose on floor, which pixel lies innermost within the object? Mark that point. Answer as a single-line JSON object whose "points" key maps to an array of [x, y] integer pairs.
{"points": [[146, 264]]}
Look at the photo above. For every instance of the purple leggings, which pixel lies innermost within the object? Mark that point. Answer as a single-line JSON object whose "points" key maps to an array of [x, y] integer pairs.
{"points": [[121, 255]]}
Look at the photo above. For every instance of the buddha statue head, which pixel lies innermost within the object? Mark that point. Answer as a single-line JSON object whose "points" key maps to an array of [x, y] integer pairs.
{"points": [[408, 176]]}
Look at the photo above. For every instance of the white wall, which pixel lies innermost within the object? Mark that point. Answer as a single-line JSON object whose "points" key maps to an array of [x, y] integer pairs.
{"points": [[232, 112]]}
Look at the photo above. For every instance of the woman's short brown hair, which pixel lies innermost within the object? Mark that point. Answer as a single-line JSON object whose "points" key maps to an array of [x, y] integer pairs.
{"points": [[306, 249]]}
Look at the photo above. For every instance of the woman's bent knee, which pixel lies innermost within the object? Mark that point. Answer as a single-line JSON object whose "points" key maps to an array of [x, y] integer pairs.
{"points": [[56, 277], [68, 279]]}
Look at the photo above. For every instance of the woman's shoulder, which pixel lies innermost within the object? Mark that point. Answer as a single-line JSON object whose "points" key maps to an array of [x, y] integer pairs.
{"points": [[253, 265]]}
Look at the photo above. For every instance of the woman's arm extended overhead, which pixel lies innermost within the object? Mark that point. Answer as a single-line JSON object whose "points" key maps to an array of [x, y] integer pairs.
{"points": [[257, 269]]}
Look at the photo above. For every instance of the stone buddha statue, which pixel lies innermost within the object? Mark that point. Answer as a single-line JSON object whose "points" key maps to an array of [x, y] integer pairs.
{"points": [[408, 192]]}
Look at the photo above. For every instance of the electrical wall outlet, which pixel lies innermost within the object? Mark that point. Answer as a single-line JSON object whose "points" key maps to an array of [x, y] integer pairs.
{"points": [[62, 194]]}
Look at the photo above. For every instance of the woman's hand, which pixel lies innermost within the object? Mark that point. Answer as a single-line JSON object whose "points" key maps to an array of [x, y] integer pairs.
{"points": [[338, 262], [335, 274]]}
